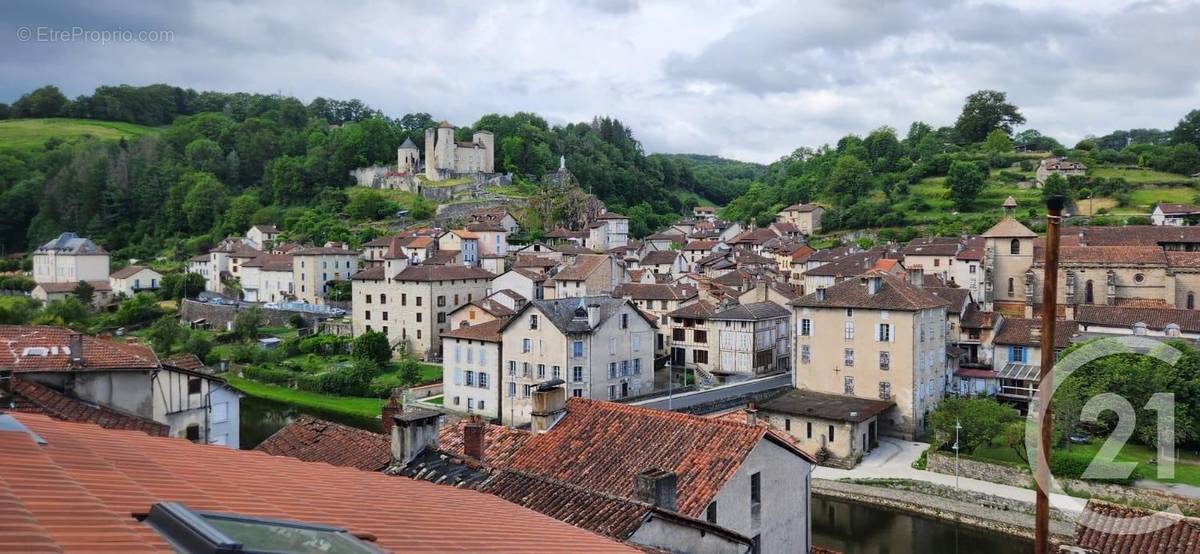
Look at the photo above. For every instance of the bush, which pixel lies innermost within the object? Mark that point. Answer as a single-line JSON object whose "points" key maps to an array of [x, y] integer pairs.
{"points": [[323, 344], [274, 376], [372, 346], [198, 344], [296, 321]]}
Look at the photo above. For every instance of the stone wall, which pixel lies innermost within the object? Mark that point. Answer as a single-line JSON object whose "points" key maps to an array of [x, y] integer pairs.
{"points": [[940, 462], [373, 176], [219, 316], [449, 213]]}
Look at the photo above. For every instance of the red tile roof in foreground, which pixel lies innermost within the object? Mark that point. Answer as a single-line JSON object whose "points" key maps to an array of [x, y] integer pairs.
{"points": [[1111, 529], [601, 446], [27, 396], [314, 440], [78, 491], [98, 354]]}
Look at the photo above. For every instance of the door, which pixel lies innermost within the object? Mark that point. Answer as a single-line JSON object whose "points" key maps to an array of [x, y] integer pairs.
{"points": [[678, 356]]}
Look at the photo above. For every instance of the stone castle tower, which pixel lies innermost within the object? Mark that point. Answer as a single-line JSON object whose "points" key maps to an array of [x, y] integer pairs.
{"points": [[408, 158], [445, 158]]}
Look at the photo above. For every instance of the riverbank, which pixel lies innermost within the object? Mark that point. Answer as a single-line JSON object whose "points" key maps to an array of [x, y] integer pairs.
{"points": [[351, 406], [979, 510]]}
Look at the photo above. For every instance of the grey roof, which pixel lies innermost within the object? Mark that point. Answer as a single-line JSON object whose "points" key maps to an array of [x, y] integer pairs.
{"points": [[833, 407], [564, 312], [408, 143], [70, 243], [753, 312]]}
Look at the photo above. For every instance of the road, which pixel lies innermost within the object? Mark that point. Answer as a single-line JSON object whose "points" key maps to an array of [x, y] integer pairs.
{"points": [[715, 395]]}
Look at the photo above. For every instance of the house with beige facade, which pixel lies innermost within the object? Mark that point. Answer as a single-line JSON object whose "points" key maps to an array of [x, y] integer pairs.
{"points": [[875, 336], [133, 279], [842, 429], [315, 268], [262, 237], [752, 339], [657, 300], [471, 363], [601, 347], [70, 258], [525, 282], [268, 277], [589, 275], [806, 217], [1060, 166], [609, 231]]}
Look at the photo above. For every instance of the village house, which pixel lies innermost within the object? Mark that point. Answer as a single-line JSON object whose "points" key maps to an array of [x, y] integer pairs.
{"points": [[314, 268], [806, 217], [667, 262], [704, 212], [133, 279], [753, 338], [892, 337], [492, 241], [1060, 166], [657, 300], [692, 339], [262, 237], [472, 358], [840, 428], [935, 255], [697, 250], [501, 304], [1175, 215], [268, 277], [601, 347], [374, 251], [102, 295], [589, 275], [609, 231], [498, 216], [70, 258], [527, 283], [1017, 358]]}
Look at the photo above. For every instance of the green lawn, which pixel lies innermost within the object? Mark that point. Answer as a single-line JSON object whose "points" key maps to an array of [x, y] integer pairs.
{"points": [[1138, 176], [391, 376], [30, 134], [1187, 466], [353, 406], [1149, 196]]}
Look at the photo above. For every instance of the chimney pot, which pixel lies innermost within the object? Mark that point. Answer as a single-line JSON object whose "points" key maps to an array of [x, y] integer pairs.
{"points": [[751, 414], [656, 487], [76, 349]]}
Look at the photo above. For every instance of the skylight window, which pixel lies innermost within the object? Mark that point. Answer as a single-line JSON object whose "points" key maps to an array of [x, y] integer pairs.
{"points": [[220, 533]]}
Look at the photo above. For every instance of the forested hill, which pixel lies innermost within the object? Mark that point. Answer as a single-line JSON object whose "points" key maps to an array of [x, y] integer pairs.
{"points": [[205, 164]]}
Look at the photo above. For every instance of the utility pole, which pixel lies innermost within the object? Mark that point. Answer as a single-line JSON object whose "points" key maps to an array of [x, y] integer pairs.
{"points": [[957, 428], [1054, 207]]}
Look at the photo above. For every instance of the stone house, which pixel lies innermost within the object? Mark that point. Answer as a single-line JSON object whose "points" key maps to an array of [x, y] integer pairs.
{"points": [[1008, 255], [102, 295], [601, 347], [527, 283], [589, 275], [753, 339], [501, 304], [1174, 215], [667, 262], [315, 268], [657, 300], [806, 217], [472, 357], [876, 336], [692, 339], [268, 277], [70, 258], [1061, 166], [497, 216], [463, 241], [610, 230], [838, 429], [133, 279], [697, 250], [1018, 355], [262, 237]]}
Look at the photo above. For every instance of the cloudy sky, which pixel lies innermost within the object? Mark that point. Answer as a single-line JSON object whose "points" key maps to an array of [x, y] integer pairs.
{"points": [[747, 79]]}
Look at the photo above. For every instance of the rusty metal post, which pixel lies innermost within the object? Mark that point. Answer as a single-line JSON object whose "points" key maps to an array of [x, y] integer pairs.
{"points": [[1054, 207]]}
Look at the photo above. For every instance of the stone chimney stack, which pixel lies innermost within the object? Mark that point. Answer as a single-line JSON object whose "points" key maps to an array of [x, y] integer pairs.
{"points": [[760, 291], [413, 431], [473, 438], [549, 405], [76, 350], [656, 487], [916, 276], [593, 314], [751, 414], [388, 413]]}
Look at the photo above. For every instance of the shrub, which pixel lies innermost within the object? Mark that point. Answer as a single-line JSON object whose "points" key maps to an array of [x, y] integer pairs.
{"points": [[372, 346], [274, 376], [296, 321]]}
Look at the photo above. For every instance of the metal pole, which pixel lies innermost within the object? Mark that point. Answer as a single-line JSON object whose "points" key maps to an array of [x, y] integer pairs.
{"points": [[957, 427], [1054, 207]]}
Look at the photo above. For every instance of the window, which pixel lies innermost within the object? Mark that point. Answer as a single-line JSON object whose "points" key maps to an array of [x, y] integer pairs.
{"points": [[223, 532], [403, 299], [192, 433], [612, 392], [1016, 354], [624, 321], [526, 345], [470, 404], [577, 393], [470, 378], [524, 369], [418, 300], [383, 299], [194, 385], [1088, 293], [533, 321], [368, 316], [637, 366], [805, 354], [612, 345], [418, 317], [368, 299], [480, 404], [1191, 301], [556, 372], [678, 335], [636, 343], [577, 349], [848, 384], [885, 361], [885, 390], [577, 374], [512, 390], [885, 332], [441, 317], [441, 301], [612, 370], [831, 435], [525, 390], [806, 327], [971, 269], [1014, 247], [385, 316], [849, 357], [808, 433], [787, 424], [512, 368], [700, 356], [624, 368], [700, 336], [541, 374], [1010, 286], [937, 262], [710, 513], [755, 497], [483, 383], [849, 330]]}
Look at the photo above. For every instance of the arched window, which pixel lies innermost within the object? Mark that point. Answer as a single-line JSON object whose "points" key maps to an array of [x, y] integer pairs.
{"points": [[1010, 286], [1015, 246], [1088, 297], [1191, 301]]}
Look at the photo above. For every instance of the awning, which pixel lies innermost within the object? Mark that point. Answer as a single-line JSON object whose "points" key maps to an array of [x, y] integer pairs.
{"points": [[1020, 372]]}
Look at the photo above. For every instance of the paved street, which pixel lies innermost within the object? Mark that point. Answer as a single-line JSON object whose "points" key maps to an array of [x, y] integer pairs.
{"points": [[893, 460]]}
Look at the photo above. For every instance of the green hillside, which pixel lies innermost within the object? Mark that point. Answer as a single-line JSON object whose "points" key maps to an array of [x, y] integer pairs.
{"points": [[25, 134]]}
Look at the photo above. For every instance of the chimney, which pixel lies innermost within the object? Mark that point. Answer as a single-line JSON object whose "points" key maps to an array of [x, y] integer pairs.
{"points": [[473, 438], [655, 487], [916, 276], [761, 291], [413, 431], [549, 405], [751, 414], [388, 413], [76, 350]]}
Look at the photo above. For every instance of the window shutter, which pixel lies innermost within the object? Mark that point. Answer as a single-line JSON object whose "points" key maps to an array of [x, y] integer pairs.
{"points": [[878, 332]]}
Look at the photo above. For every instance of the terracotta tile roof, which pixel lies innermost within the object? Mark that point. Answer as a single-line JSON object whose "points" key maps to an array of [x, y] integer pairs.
{"points": [[271, 262], [653, 291], [560, 233], [611, 215], [1183, 260], [19, 344], [1107, 528], [1154, 318], [61, 288], [1020, 331], [534, 260], [1113, 254], [127, 271], [976, 373], [28, 396], [78, 491], [189, 362], [486, 227], [584, 265], [500, 443], [660, 257], [314, 440], [955, 296], [199, 258], [703, 453], [1178, 209], [757, 236], [755, 311], [378, 242], [696, 310], [976, 318], [934, 246], [1133, 235], [488, 331], [802, 253], [847, 266], [442, 273], [442, 257], [830, 254], [603, 514], [894, 294], [1008, 228], [369, 274], [801, 208]]}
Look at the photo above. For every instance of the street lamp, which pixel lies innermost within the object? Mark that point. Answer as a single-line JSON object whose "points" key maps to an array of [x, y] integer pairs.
{"points": [[957, 428]]}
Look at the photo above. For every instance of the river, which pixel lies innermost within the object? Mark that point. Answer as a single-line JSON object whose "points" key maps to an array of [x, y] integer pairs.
{"points": [[853, 528], [260, 418]]}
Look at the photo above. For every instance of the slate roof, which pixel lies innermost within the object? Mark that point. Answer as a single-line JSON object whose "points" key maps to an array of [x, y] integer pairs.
{"points": [[369, 274], [1133, 235], [1113, 529], [1019, 331], [847, 266], [755, 311], [955, 296], [79, 489], [1154, 318], [128, 271], [188, 362], [894, 294], [29, 396], [833, 407], [70, 243], [611, 215], [98, 354], [975, 318], [801, 208], [660, 257], [562, 312], [408, 143], [831, 254], [426, 273], [314, 440], [703, 453], [935, 246]]}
